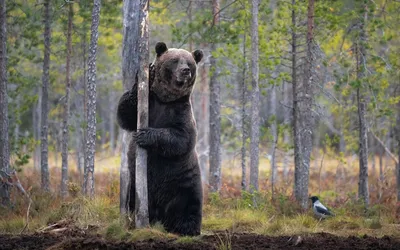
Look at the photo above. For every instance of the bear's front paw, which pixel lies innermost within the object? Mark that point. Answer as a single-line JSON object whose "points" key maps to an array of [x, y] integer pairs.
{"points": [[143, 137]]}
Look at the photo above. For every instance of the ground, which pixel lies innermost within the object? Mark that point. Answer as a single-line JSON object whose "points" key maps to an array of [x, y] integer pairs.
{"points": [[232, 220], [217, 241]]}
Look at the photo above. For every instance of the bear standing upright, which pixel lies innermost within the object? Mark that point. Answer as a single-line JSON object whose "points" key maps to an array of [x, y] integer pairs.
{"points": [[174, 180]]}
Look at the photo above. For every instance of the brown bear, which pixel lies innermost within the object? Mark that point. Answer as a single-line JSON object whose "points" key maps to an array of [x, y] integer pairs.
{"points": [[174, 180]]}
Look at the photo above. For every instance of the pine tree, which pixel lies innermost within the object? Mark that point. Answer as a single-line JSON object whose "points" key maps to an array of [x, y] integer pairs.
{"points": [[88, 182], [65, 139], [141, 209], [255, 99], [44, 147], [215, 113], [4, 123]]}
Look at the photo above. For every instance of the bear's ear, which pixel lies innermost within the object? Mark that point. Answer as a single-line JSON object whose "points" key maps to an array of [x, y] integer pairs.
{"points": [[197, 55], [161, 48]]}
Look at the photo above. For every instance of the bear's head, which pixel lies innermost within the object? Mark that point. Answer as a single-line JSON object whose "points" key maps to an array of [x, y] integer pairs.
{"points": [[173, 73]]}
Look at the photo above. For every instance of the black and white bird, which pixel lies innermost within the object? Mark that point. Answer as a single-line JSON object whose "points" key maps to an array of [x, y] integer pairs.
{"points": [[319, 209]]}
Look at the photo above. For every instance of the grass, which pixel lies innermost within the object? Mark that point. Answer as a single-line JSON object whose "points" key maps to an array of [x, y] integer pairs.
{"points": [[229, 212]]}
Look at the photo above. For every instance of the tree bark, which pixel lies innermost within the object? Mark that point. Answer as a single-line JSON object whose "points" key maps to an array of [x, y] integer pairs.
{"points": [[141, 204], [90, 149], [203, 122], [111, 118], [274, 131], [363, 191], [398, 151], [255, 99], [65, 131], [45, 109], [215, 115], [130, 70], [286, 133], [243, 117], [4, 123], [302, 113]]}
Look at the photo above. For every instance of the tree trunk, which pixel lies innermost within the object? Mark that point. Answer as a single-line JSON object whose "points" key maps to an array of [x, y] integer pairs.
{"points": [[302, 113], [363, 191], [286, 133], [130, 70], [45, 109], [111, 120], [65, 131], [243, 117], [141, 209], [90, 149], [274, 131], [398, 151], [17, 120], [203, 123], [255, 100], [36, 113], [372, 147], [215, 115], [4, 143]]}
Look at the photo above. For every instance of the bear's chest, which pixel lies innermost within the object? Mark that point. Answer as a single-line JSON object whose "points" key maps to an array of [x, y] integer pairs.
{"points": [[164, 115]]}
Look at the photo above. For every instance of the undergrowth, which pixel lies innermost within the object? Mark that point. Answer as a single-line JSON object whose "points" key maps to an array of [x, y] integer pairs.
{"points": [[229, 212]]}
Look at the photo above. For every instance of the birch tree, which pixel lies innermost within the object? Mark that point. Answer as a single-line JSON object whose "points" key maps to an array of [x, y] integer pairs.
{"points": [[88, 181], [215, 113], [130, 70], [141, 209], [4, 143], [255, 99], [65, 131], [45, 102]]}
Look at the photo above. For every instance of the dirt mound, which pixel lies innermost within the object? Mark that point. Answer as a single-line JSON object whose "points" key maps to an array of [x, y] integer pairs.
{"points": [[217, 241]]}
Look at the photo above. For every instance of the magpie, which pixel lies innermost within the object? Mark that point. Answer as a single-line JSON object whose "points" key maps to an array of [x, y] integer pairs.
{"points": [[319, 209]]}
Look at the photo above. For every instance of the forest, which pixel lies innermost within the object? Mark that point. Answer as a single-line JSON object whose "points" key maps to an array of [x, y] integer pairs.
{"points": [[292, 99]]}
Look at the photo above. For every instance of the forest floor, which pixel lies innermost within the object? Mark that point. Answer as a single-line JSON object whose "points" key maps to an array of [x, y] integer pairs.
{"points": [[82, 240], [231, 220]]}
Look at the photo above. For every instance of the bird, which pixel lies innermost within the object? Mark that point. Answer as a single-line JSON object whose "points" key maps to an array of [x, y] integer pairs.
{"points": [[319, 209]]}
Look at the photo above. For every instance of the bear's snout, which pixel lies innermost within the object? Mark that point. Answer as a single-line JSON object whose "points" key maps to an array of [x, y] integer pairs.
{"points": [[185, 71]]}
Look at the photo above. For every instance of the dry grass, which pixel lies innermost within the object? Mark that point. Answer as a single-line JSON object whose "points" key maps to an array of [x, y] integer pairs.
{"points": [[232, 210]]}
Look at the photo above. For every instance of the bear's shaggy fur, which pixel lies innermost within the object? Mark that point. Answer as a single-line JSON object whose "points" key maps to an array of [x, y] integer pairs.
{"points": [[174, 180]]}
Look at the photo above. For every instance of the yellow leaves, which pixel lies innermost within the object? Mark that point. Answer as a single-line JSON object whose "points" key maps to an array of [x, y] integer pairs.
{"points": [[346, 91], [331, 9]]}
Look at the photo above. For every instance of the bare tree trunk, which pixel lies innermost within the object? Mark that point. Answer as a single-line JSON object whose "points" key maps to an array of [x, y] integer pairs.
{"points": [[274, 131], [36, 113], [203, 123], [17, 119], [45, 109], [111, 119], [286, 133], [363, 191], [65, 131], [90, 149], [398, 151], [130, 70], [141, 209], [255, 100], [372, 146], [4, 143], [302, 115], [243, 117], [215, 115]]}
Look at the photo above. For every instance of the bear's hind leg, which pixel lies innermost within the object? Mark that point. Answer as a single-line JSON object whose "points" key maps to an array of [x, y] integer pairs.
{"points": [[183, 215]]}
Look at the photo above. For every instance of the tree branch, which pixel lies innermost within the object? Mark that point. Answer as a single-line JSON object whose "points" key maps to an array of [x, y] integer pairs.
{"points": [[384, 147]]}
